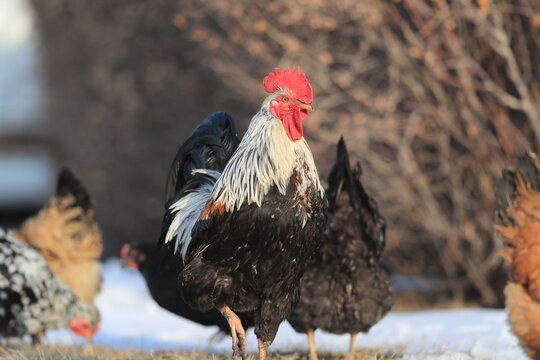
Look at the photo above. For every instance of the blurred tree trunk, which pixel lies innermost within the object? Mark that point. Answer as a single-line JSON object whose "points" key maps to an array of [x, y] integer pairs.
{"points": [[123, 92]]}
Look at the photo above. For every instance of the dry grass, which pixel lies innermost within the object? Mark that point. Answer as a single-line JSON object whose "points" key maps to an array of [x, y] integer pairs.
{"points": [[77, 353]]}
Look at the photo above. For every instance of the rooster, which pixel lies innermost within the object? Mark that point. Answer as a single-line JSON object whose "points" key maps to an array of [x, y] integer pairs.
{"points": [[247, 226], [33, 300], [160, 271], [518, 194], [347, 289], [65, 233]]}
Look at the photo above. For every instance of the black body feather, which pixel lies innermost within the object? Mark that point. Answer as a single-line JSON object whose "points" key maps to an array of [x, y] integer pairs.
{"points": [[161, 270], [506, 189], [68, 184], [253, 259], [210, 146], [347, 289]]}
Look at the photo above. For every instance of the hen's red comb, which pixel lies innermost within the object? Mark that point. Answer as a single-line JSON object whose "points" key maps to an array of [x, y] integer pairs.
{"points": [[293, 81]]}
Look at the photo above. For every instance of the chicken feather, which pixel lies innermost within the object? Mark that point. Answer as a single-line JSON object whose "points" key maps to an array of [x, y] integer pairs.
{"points": [[65, 233], [519, 230]]}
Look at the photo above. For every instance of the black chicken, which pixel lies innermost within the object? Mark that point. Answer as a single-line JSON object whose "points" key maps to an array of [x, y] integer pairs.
{"points": [[248, 229], [347, 289], [161, 270]]}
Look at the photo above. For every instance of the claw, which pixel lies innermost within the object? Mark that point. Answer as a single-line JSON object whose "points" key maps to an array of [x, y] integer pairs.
{"points": [[243, 344], [237, 330], [234, 339], [238, 335]]}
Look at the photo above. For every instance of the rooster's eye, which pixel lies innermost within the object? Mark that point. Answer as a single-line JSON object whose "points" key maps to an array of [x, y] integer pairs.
{"points": [[285, 99]]}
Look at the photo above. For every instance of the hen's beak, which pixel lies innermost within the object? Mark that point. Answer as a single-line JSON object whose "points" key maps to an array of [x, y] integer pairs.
{"points": [[306, 107]]}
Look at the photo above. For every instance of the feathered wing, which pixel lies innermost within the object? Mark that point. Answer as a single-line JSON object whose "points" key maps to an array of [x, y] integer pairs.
{"points": [[194, 171], [343, 178], [68, 237], [518, 194], [185, 212]]}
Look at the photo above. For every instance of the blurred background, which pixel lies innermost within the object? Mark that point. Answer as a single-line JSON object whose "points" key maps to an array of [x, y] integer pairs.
{"points": [[433, 97]]}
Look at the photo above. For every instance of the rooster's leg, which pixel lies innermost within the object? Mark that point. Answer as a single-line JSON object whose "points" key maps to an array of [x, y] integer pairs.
{"points": [[237, 330], [351, 347], [312, 351]]}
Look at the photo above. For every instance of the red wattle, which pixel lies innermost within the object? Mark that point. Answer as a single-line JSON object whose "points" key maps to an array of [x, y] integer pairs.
{"points": [[293, 127], [292, 121], [79, 327]]}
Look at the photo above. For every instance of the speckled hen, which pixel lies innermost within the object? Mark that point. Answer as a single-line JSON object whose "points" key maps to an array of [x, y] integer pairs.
{"points": [[33, 300], [347, 290]]}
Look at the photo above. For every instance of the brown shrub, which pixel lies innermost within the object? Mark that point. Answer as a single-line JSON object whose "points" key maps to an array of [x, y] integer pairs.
{"points": [[433, 97]]}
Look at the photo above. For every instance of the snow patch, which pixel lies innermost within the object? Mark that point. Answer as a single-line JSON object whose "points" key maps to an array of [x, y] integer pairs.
{"points": [[131, 319]]}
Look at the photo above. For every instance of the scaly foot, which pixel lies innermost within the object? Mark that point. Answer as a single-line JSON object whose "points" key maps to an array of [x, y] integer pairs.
{"points": [[237, 330]]}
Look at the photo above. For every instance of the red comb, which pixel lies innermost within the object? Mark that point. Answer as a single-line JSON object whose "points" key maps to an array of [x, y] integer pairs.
{"points": [[293, 81]]}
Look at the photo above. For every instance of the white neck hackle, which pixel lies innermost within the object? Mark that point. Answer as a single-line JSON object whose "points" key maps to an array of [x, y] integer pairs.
{"points": [[265, 157]]}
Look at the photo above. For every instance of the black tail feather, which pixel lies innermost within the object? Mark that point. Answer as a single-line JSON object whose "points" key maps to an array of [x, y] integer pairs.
{"points": [[209, 146], [367, 213], [526, 165], [68, 184]]}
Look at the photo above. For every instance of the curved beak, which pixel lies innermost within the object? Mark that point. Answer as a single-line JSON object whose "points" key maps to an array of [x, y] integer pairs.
{"points": [[306, 107]]}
